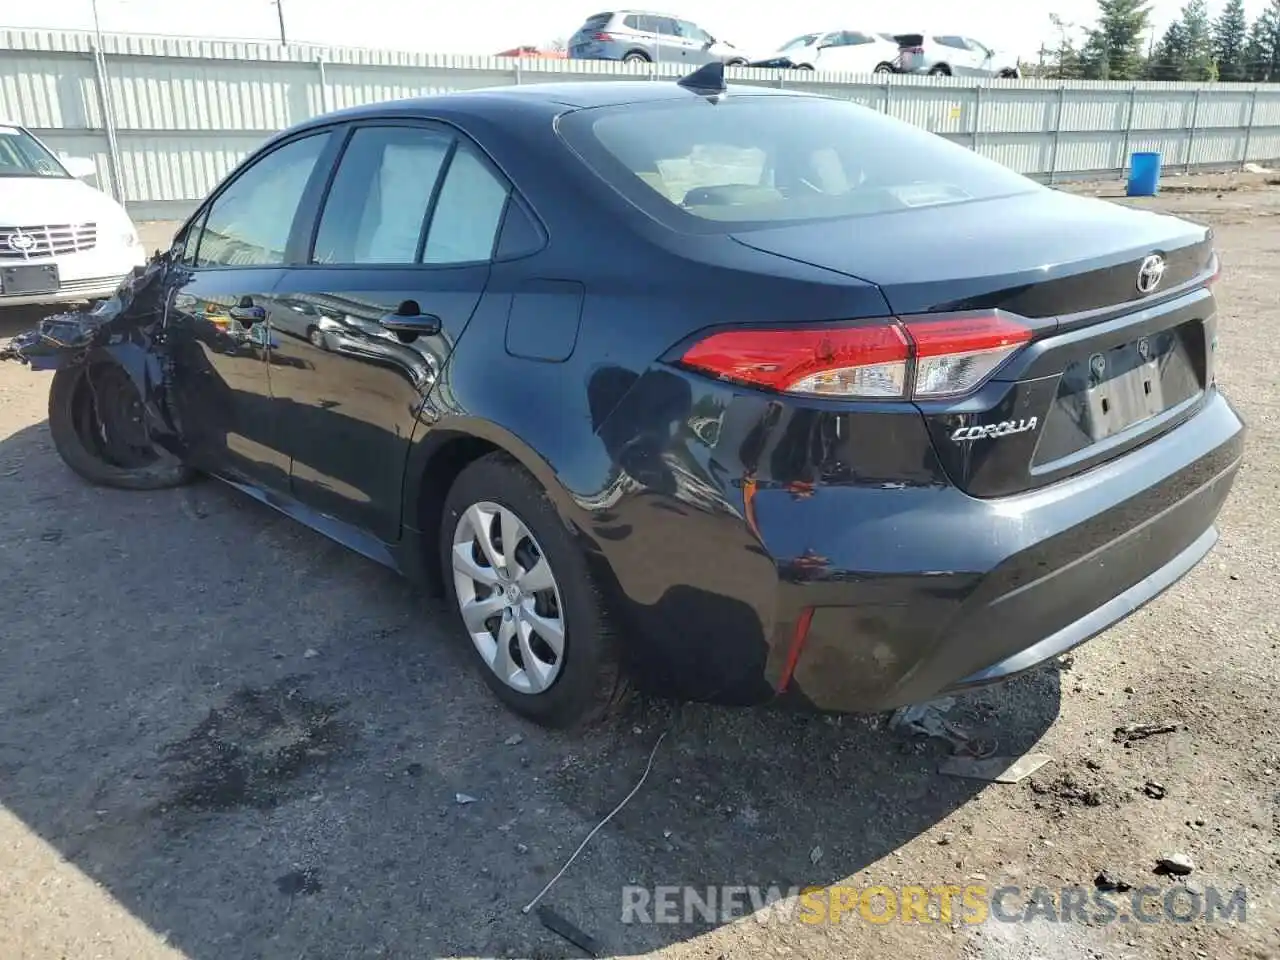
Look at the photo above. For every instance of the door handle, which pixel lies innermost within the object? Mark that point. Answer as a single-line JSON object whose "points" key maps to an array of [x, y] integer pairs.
{"points": [[409, 319]]}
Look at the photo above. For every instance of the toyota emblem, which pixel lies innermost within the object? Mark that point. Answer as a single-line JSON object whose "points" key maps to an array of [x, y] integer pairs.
{"points": [[1150, 274], [1098, 365], [1144, 349], [21, 242]]}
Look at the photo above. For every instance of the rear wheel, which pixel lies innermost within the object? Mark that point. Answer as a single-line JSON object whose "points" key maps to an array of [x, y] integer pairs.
{"points": [[526, 599], [635, 56], [803, 66], [883, 68], [941, 70], [99, 429], [736, 62]]}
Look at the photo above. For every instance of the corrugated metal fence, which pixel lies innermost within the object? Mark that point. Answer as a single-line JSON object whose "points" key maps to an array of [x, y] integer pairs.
{"points": [[165, 118]]}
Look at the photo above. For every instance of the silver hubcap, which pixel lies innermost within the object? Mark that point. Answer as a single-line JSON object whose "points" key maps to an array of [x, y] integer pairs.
{"points": [[508, 597]]}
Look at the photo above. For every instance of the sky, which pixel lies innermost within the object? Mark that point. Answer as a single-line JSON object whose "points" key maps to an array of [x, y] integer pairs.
{"points": [[488, 26]]}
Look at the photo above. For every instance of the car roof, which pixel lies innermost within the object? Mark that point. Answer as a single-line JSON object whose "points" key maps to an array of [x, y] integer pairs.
{"points": [[546, 97]]}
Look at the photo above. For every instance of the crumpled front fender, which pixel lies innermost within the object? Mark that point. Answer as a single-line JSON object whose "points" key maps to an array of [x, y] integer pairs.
{"points": [[127, 327], [134, 313]]}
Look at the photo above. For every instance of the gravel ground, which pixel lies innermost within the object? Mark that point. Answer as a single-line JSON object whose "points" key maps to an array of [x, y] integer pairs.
{"points": [[223, 736]]}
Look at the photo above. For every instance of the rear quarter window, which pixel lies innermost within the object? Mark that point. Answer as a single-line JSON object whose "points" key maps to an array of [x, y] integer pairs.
{"points": [[704, 166]]}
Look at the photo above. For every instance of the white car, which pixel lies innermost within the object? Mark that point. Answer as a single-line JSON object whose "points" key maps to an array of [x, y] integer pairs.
{"points": [[949, 55], [60, 239], [836, 51]]}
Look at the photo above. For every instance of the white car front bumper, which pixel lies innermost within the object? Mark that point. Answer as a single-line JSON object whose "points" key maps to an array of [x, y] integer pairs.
{"points": [[88, 275]]}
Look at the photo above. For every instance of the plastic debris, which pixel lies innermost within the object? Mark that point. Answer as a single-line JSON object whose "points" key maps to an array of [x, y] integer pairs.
{"points": [[994, 769]]}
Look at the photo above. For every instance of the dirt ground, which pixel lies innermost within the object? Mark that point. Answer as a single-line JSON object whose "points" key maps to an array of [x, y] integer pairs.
{"points": [[223, 736]]}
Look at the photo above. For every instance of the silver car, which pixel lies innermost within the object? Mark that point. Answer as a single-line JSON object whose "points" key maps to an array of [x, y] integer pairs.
{"points": [[646, 37], [948, 55]]}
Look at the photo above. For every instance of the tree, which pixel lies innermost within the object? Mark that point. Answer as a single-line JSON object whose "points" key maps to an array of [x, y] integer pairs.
{"points": [[1199, 63], [1170, 55], [1064, 59], [1113, 50], [1185, 52], [1262, 52], [1230, 33]]}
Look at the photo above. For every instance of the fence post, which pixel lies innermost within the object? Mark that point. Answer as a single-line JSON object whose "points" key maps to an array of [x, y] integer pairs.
{"points": [[519, 78], [888, 87], [108, 120], [324, 85], [1057, 131], [1128, 129], [1248, 131], [977, 115], [1191, 134]]}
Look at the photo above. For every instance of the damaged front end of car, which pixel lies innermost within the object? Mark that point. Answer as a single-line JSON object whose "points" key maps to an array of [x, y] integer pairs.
{"points": [[126, 329]]}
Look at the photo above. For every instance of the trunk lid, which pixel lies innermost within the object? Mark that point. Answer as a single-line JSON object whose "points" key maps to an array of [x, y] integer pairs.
{"points": [[1039, 254], [1109, 367]]}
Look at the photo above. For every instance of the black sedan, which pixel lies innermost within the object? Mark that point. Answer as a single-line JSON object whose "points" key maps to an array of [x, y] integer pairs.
{"points": [[740, 395]]}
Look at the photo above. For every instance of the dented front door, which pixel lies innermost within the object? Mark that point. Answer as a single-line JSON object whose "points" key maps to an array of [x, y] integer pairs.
{"points": [[217, 330]]}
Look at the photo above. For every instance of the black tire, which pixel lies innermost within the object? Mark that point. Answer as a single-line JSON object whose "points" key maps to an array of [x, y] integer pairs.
{"points": [[95, 417], [1008, 75], [736, 62], [804, 66], [635, 56], [941, 70], [590, 684], [883, 68]]}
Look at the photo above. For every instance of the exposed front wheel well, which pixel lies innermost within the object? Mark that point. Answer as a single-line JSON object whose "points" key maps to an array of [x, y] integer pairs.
{"points": [[442, 470]]}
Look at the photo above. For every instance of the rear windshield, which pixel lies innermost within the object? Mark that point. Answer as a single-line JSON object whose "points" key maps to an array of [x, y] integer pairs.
{"points": [[766, 160], [22, 156]]}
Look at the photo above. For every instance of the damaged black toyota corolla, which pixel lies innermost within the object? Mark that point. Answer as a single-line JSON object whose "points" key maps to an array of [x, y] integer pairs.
{"points": [[741, 396]]}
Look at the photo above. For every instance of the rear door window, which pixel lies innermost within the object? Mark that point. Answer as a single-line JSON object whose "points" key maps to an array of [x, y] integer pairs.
{"points": [[468, 212], [378, 202], [769, 160]]}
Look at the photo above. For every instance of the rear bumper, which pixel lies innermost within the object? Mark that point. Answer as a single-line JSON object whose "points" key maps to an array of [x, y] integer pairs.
{"points": [[999, 586]]}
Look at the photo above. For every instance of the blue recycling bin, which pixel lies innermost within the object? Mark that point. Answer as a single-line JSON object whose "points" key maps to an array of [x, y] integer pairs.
{"points": [[1144, 175]]}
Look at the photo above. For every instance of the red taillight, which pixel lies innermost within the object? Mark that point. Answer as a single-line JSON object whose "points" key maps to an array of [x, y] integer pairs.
{"points": [[602, 37], [922, 357], [955, 354], [866, 361]]}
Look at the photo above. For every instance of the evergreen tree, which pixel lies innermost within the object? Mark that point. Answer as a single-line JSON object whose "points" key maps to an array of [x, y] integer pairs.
{"points": [[1262, 52], [1064, 59], [1230, 34], [1113, 50], [1199, 63], [1170, 55]]}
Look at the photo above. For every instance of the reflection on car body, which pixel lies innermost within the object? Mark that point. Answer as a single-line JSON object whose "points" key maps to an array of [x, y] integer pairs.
{"points": [[616, 365]]}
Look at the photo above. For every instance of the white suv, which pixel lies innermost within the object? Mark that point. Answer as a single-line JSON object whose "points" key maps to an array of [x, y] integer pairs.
{"points": [[60, 239]]}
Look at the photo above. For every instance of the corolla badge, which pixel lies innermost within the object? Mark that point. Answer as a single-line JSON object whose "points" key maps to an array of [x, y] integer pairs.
{"points": [[22, 242], [1150, 273], [994, 431]]}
